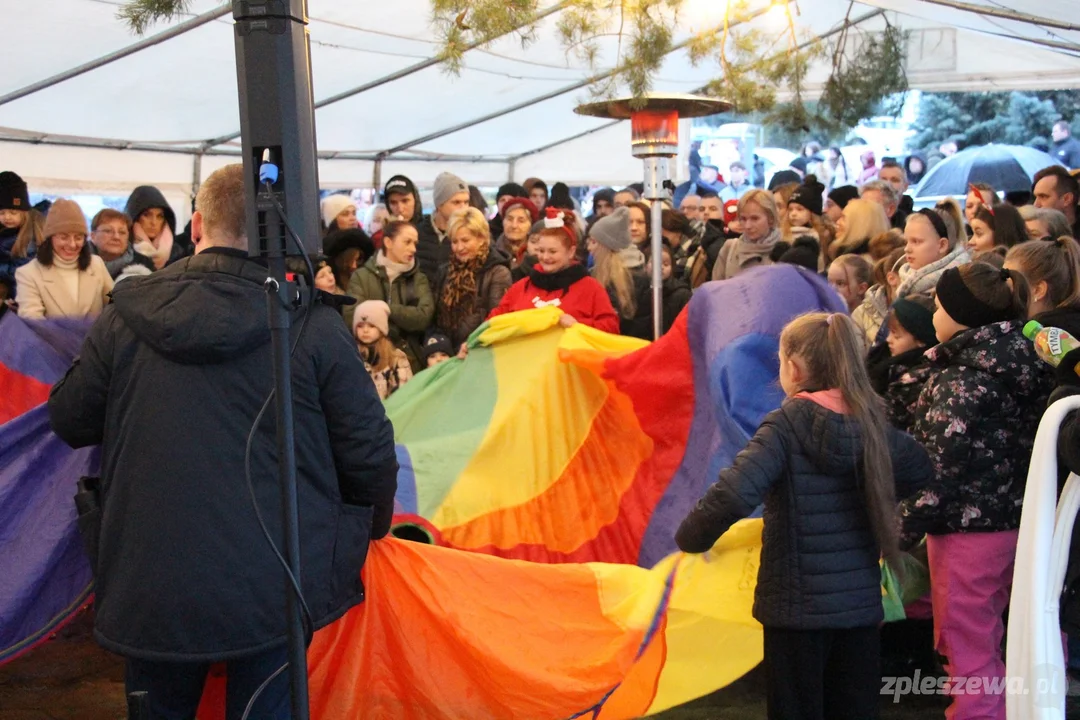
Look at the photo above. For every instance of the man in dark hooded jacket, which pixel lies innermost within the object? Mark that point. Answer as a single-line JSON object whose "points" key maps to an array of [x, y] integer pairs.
{"points": [[169, 383], [402, 200]]}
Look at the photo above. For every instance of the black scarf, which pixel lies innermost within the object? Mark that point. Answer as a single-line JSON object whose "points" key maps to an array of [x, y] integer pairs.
{"points": [[560, 280]]}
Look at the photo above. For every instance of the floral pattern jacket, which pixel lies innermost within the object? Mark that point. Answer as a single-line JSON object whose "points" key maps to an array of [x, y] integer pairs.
{"points": [[977, 417]]}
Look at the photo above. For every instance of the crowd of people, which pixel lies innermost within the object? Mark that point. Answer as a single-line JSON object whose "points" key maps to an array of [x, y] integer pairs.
{"points": [[936, 302]]}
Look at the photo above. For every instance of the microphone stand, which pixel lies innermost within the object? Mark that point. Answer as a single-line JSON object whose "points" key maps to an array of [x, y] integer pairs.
{"points": [[277, 121]]}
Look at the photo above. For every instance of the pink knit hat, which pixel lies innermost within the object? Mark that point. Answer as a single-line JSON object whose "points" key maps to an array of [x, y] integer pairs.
{"points": [[373, 312]]}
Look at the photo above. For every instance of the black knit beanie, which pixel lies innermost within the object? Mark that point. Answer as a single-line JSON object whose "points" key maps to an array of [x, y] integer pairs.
{"points": [[917, 320]]}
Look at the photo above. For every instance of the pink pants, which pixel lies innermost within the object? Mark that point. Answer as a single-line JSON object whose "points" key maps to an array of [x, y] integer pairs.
{"points": [[970, 580]]}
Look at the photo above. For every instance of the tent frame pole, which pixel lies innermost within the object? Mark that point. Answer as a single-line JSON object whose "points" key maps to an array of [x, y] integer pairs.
{"points": [[161, 37], [1005, 14]]}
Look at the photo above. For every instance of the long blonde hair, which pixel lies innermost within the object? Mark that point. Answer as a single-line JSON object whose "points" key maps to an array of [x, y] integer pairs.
{"points": [[785, 191], [831, 346], [610, 271], [384, 350], [31, 234], [864, 220]]}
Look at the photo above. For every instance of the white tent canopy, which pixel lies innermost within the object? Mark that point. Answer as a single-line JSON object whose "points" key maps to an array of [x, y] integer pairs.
{"points": [[167, 113]]}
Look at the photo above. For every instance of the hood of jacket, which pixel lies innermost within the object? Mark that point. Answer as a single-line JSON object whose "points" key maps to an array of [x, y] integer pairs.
{"points": [[833, 442], [207, 308], [914, 177], [999, 350], [146, 197], [418, 209], [495, 257], [1064, 318]]}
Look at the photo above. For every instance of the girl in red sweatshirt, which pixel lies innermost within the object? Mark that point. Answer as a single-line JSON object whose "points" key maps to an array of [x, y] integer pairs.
{"points": [[558, 279]]}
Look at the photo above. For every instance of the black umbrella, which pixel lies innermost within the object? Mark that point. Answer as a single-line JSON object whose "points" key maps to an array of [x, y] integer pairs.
{"points": [[1003, 167]]}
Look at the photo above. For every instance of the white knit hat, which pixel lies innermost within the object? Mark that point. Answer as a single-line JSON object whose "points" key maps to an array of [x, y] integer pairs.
{"points": [[333, 205]]}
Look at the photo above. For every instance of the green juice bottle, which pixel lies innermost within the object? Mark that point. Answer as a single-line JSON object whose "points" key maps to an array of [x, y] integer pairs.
{"points": [[1051, 343]]}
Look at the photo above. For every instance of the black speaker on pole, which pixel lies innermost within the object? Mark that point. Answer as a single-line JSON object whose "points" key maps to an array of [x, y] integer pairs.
{"points": [[277, 128]]}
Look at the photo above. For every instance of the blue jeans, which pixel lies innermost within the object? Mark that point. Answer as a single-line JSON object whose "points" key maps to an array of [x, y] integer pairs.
{"points": [[175, 688]]}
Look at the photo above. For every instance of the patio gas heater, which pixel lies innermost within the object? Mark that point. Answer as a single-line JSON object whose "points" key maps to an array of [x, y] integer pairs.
{"points": [[654, 137]]}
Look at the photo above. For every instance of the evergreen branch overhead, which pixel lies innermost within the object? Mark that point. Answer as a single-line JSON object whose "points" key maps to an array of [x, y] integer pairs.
{"points": [[866, 68], [141, 14]]}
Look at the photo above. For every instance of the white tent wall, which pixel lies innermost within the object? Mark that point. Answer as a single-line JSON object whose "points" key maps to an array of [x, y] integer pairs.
{"points": [[510, 101]]}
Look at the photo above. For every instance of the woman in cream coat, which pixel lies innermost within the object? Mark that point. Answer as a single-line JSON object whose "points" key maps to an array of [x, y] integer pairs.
{"points": [[65, 279]]}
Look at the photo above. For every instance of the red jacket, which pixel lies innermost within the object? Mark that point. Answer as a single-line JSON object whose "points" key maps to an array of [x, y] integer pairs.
{"points": [[571, 290]]}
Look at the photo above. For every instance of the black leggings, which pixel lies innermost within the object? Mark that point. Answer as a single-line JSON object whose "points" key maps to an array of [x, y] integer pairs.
{"points": [[823, 674]]}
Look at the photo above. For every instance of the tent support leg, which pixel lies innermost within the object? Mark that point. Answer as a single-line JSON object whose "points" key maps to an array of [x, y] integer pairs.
{"points": [[196, 174], [376, 174], [511, 167]]}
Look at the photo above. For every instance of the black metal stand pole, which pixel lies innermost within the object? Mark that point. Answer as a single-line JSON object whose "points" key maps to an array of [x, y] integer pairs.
{"points": [[277, 119], [278, 304]]}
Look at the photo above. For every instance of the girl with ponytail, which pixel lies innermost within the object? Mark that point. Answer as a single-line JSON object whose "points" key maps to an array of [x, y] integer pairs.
{"points": [[1052, 270], [977, 416], [827, 466]]}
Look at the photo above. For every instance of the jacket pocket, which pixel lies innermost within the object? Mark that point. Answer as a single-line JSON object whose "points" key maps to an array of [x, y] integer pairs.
{"points": [[350, 552]]}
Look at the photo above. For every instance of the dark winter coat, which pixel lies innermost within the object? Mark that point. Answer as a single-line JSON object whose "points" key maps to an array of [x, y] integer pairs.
{"points": [[640, 325], [522, 271], [905, 208], [169, 382], [412, 306], [712, 242], [914, 178], [492, 282], [1068, 383], [9, 264], [146, 197], [977, 417], [899, 381], [819, 558], [1067, 152], [675, 296], [432, 248]]}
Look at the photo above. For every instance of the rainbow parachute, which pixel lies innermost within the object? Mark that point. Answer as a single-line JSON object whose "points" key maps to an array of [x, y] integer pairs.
{"points": [[574, 450]]}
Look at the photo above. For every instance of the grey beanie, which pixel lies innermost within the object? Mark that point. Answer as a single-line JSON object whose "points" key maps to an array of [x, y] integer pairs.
{"points": [[613, 231], [447, 185]]}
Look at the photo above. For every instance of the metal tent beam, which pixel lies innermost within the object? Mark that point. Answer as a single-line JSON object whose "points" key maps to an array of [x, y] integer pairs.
{"points": [[551, 95], [404, 72], [824, 36], [1004, 14], [191, 150], [161, 37]]}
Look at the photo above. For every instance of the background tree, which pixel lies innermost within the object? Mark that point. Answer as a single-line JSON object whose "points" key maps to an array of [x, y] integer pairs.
{"points": [[1015, 118]]}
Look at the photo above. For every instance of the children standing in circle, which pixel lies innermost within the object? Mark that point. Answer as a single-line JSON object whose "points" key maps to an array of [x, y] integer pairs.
{"points": [[977, 417], [825, 465], [388, 366]]}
